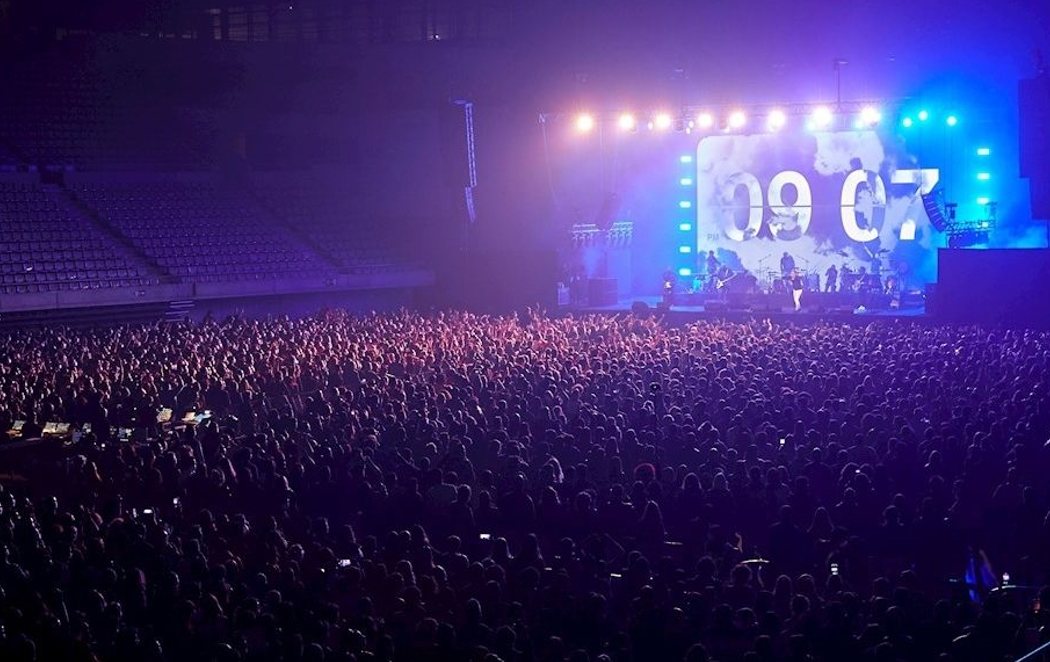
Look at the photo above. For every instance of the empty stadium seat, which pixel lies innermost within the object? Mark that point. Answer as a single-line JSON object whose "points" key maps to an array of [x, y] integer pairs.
{"points": [[45, 248], [356, 244], [201, 232]]}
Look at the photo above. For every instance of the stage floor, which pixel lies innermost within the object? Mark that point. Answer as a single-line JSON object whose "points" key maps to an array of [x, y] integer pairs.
{"points": [[786, 313]]}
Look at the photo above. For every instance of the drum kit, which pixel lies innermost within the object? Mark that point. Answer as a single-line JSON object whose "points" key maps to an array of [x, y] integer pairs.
{"points": [[778, 282]]}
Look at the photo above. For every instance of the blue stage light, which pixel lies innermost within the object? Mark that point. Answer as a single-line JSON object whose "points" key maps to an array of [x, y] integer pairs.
{"points": [[685, 227], [983, 200], [984, 151], [907, 122], [923, 116], [685, 249], [686, 181], [685, 158], [984, 176], [685, 204], [952, 120], [685, 271]]}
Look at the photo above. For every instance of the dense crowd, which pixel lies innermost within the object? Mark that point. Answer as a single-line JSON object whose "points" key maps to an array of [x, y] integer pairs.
{"points": [[526, 489]]}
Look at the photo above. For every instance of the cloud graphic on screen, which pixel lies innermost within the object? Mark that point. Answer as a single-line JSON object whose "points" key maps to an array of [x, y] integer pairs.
{"points": [[838, 152], [718, 160]]}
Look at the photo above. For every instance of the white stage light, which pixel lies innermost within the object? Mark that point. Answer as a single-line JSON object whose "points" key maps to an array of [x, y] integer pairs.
{"points": [[705, 120], [626, 122], [822, 117], [662, 121], [585, 123], [776, 120], [737, 119], [870, 116]]}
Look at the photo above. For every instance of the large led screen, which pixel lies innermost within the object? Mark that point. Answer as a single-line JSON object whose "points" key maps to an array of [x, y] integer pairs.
{"points": [[844, 198]]}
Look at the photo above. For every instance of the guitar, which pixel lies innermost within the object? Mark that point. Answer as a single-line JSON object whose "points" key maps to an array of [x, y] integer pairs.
{"points": [[722, 282]]}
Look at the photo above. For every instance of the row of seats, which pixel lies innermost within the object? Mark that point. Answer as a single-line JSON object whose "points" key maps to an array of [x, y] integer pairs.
{"points": [[193, 232], [66, 257], [328, 219], [114, 266], [44, 247], [201, 231], [75, 284], [76, 275]]}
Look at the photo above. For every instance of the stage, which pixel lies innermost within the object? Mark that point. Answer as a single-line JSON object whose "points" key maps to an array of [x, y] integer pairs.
{"points": [[686, 313]]}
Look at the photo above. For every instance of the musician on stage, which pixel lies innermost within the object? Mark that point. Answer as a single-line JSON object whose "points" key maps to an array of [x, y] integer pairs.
{"points": [[831, 277], [892, 287], [847, 279], [669, 280], [712, 263], [797, 287], [787, 264], [863, 283]]}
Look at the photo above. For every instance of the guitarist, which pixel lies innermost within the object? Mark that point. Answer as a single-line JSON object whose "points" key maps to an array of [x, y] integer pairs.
{"points": [[723, 276], [712, 264]]}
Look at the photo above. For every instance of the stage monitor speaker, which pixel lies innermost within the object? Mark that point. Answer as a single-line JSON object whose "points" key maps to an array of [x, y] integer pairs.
{"points": [[934, 212], [602, 292]]}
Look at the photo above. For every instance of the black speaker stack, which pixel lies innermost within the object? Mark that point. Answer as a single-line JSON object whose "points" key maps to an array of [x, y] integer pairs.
{"points": [[1034, 101]]}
